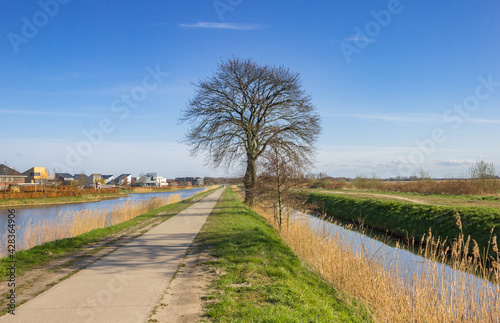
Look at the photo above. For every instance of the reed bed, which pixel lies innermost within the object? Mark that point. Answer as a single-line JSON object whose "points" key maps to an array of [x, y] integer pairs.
{"points": [[394, 295], [71, 224]]}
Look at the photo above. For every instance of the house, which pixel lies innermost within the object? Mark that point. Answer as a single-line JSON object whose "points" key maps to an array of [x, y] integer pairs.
{"points": [[94, 179], [9, 176], [123, 179], [108, 178], [64, 178], [81, 179], [161, 181], [190, 181], [36, 175], [148, 180]]}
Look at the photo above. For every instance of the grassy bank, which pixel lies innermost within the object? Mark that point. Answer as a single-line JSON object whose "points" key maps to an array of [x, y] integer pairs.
{"points": [[397, 291], [259, 278], [408, 219], [434, 199], [44, 253]]}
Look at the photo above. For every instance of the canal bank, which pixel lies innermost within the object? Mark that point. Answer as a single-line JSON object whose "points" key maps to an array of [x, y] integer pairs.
{"points": [[37, 218]]}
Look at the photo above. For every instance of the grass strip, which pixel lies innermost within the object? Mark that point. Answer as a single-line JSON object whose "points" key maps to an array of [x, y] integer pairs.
{"points": [[259, 278], [58, 200], [44, 253], [408, 219]]}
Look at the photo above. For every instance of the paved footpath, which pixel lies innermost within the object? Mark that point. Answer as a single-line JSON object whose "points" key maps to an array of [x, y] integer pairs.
{"points": [[126, 285]]}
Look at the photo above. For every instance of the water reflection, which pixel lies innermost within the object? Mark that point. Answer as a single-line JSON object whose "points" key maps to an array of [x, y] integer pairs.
{"points": [[411, 267]]}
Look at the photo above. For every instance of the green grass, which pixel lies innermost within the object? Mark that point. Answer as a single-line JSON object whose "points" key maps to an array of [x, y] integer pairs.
{"points": [[262, 280], [434, 199], [41, 254], [408, 219]]}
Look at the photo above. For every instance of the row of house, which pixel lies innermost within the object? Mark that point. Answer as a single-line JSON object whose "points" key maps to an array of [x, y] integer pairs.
{"points": [[40, 175], [10, 176], [94, 179]]}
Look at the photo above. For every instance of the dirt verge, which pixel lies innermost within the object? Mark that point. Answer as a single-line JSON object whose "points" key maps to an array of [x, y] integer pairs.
{"points": [[183, 300]]}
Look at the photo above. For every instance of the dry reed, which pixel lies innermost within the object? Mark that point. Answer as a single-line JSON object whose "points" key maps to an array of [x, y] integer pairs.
{"points": [[388, 292]]}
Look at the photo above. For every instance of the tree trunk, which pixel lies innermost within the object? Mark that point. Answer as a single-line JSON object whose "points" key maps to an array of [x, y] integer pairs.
{"points": [[249, 181]]}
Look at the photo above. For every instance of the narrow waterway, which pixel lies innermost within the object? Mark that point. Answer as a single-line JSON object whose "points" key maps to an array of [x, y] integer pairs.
{"points": [[26, 216], [409, 265]]}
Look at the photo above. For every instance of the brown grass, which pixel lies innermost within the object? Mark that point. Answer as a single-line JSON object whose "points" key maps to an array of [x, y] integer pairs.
{"points": [[450, 187], [447, 187], [386, 291]]}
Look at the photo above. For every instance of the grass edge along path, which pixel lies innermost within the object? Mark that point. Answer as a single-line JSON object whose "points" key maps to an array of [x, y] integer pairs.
{"points": [[259, 278], [402, 219], [44, 253]]}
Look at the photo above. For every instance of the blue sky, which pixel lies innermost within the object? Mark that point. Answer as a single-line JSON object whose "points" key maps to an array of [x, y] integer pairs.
{"points": [[99, 85]]}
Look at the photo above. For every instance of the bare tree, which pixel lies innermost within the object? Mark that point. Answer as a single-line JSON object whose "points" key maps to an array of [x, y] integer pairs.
{"points": [[484, 174], [82, 179], [281, 174], [237, 113]]}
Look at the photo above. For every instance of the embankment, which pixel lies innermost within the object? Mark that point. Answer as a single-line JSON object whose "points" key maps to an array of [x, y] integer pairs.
{"points": [[402, 219]]}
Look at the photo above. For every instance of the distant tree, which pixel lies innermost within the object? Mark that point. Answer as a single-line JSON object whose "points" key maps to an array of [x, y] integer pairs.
{"points": [[420, 174], [141, 180], [82, 179], [485, 176], [244, 108]]}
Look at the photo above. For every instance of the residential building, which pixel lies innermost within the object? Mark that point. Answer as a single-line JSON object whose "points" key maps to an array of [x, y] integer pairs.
{"points": [[64, 178], [161, 181], [148, 180], [195, 181], [93, 180], [108, 178], [9, 176], [123, 179], [36, 175]]}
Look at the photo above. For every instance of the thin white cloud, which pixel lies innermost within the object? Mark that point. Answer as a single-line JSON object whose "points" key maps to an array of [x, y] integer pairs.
{"points": [[49, 113], [222, 25], [358, 38], [482, 121], [409, 118], [413, 118], [455, 162], [67, 114]]}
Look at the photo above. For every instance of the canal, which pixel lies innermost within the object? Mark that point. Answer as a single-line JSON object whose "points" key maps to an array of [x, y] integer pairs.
{"points": [[27, 216]]}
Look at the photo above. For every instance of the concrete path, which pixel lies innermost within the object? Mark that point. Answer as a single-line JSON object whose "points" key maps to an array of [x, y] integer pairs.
{"points": [[126, 285]]}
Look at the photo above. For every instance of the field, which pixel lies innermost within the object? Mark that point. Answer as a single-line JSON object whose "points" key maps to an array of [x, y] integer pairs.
{"points": [[489, 187], [420, 198], [404, 219]]}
